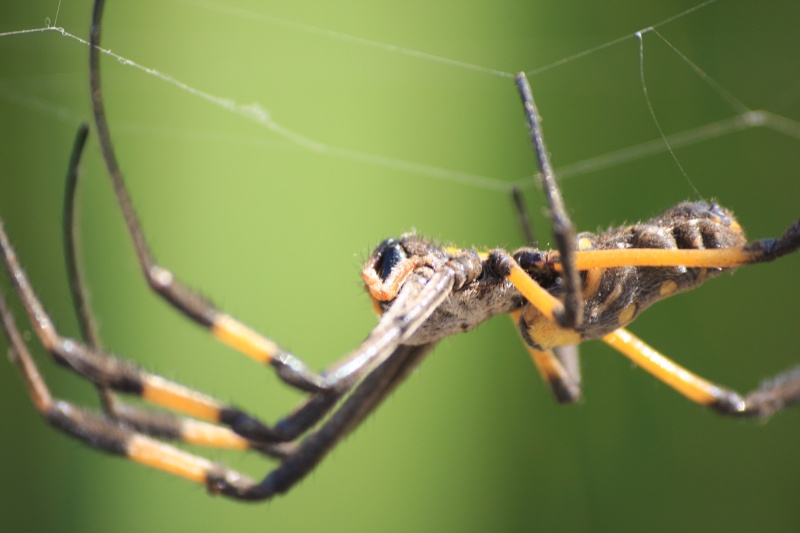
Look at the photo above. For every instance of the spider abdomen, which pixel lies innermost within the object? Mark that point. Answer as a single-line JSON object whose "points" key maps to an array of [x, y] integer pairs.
{"points": [[686, 226], [614, 297]]}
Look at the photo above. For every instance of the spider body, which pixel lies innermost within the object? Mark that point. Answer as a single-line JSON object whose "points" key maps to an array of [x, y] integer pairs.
{"points": [[611, 297], [614, 297]]}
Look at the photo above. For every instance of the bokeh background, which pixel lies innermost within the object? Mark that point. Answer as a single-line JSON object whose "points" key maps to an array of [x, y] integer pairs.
{"points": [[275, 233]]}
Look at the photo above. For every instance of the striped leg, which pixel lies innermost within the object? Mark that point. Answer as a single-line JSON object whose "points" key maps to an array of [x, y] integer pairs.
{"points": [[108, 372], [775, 394], [101, 431], [164, 425]]}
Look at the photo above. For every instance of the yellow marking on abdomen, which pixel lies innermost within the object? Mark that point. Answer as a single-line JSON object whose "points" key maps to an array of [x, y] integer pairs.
{"points": [[627, 314], [545, 333], [667, 288], [593, 278]]}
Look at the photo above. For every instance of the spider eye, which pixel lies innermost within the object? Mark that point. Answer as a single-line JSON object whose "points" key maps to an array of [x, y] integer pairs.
{"points": [[530, 259], [391, 255]]}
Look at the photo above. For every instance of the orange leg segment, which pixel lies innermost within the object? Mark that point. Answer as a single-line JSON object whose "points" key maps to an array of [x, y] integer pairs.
{"points": [[657, 257], [542, 300], [240, 337], [690, 385]]}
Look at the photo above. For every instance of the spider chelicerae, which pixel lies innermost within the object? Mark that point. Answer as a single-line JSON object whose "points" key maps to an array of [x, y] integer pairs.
{"points": [[590, 287]]}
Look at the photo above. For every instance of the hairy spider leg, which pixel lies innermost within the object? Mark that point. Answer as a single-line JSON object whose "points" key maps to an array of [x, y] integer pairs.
{"points": [[774, 394]]}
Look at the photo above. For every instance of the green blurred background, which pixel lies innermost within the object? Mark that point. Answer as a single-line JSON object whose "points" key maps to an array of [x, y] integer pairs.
{"points": [[275, 233]]}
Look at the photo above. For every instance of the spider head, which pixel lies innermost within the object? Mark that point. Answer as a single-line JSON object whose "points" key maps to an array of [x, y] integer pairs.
{"points": [[394, 261], [386, 270]]}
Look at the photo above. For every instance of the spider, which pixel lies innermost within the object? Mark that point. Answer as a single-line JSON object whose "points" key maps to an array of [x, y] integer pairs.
{"points": [[590, 287]]}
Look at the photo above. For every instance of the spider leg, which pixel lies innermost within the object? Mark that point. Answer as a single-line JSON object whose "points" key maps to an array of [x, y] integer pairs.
{"points": [[80, 296], [162, 281], [376, 386], [366, 396], [559, 367], [391, 360], [505, 265], [523, 218], [382, 357], [98, 430], [328, 387], [155, 424], [775, 394], [570, 313], [108, 372], [761, 251], [163, 425], [561, 374], [569, 357]]}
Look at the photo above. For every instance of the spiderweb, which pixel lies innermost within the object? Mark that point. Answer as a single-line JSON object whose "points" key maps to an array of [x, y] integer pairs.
{"points": [[403, 117], [316, 118], [738, 116], [267, 142]]}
